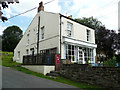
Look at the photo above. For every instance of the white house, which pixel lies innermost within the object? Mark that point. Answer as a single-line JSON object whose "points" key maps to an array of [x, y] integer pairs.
{"points": [[72, 40]]}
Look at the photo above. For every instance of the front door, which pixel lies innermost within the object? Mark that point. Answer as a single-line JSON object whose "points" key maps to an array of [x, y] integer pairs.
{"points": [[80, 56]]}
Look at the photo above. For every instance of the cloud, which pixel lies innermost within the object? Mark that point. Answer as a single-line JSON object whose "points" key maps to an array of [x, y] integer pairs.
{"points": [[2, 29], [104, 10], [25, 5]]}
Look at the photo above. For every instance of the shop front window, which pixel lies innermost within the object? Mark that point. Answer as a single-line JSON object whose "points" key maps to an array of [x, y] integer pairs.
{"points": [[70, 52]]}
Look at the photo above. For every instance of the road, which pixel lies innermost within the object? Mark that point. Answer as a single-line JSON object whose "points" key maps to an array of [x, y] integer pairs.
{"points": [[0, 77], [16, 79]]}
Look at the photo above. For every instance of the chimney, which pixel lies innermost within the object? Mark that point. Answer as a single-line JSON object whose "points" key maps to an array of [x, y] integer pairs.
{"points": [[70, 16], [41, 7]]}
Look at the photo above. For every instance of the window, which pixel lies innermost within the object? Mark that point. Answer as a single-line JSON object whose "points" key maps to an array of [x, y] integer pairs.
{"points": [[27, 51], [42, 32], [88, 54], [70, 52], [18, 54], [32, 51], [88, 35], [36, 34], [69, 29], [27, 38]]}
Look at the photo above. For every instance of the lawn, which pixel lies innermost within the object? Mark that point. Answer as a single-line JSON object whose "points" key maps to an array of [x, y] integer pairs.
{"points": [[7, 61]]}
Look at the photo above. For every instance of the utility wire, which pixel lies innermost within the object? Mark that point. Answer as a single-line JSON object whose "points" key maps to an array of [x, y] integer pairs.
{"points": [[23, 13], [28, 10], [49, 2], [45, 4]]}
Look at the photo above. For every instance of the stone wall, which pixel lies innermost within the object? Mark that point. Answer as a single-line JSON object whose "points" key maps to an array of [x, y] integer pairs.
{"points": [[102, 76]]}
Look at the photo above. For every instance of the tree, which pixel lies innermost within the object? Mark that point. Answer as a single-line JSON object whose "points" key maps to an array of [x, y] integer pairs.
{"points": [[4, 5], [90, 22], [10, 38], [107, 42]]}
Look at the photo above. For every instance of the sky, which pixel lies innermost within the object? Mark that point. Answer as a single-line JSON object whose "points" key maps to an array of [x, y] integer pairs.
{"points": [[105, 11]]}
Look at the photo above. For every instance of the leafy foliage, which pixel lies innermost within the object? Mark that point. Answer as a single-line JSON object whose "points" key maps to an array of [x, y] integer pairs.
{"points": [[10, 38], [110, 62], [108, 41], [90, 22]]}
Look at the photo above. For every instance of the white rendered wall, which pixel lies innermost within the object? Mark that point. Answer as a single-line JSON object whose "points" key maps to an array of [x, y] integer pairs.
{"points": [[40, 68], [51, 35], [79, 31]]}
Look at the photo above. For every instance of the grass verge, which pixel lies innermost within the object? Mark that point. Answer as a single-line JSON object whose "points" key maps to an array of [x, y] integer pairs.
{"points": [[7, 61]]}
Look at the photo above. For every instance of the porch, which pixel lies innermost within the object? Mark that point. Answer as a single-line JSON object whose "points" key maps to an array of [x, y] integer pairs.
{"points": [[78, 51]]}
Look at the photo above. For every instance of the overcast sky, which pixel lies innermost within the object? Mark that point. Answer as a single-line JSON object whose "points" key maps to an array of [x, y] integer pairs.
{"points": [[105, 11]]}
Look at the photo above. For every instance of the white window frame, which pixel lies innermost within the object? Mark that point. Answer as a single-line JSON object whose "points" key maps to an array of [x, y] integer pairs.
{"points": [[69, 29], [88, 35], [19, 54], [27, 52], [72, 56], [42, 33], [36, 34], [89, 54], [28, 40]]}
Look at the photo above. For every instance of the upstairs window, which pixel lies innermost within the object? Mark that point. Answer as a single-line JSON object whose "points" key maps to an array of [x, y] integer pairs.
{"points": [[42, 32], [69, 29], [28, 39], [36, 35], [18, 54], [88, 35], [32, 51], [27, 51]]}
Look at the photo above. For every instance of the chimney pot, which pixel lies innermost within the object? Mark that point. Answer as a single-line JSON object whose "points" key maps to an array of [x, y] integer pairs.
{"points": [[41, 7], [70, 16]]}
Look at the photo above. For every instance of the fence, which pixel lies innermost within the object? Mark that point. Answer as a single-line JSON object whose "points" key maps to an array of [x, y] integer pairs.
{"points": [[40, 59]]}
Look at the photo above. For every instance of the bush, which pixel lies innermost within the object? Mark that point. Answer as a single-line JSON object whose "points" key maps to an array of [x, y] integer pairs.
{"points": [[111, 62]]}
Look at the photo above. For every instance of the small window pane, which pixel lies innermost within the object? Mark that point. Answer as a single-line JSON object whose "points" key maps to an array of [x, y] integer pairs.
{"points": [[42, 32], [69, 29]]}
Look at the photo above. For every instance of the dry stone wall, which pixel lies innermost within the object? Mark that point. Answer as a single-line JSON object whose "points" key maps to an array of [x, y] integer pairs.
{"points": [[102, 76]]}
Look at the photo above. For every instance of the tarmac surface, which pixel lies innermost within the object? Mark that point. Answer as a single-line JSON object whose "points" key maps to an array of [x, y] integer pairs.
{"points": [[16, 79]]}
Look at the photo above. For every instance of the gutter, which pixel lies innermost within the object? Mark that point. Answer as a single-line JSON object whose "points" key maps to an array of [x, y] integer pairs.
{"points": [[60, 36], [38, 35]]}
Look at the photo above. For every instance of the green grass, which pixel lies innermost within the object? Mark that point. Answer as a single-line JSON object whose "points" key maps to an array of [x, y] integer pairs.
{"points": [[7, 61]]}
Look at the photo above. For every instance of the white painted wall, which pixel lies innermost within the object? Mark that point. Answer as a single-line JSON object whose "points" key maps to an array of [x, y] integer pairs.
{"points": [[79, 31], [79, 36], [40, 68], [51, 40], [51, 22]]}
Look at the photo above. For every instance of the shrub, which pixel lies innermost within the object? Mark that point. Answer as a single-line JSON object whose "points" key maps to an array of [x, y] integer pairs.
{"points": [[110, 62]]}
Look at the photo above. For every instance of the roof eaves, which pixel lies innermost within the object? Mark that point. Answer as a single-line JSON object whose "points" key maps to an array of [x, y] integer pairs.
{"points": [[75, 21]]}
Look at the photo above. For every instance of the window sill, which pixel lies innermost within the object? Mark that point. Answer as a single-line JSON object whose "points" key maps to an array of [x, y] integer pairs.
{"points": [[17, 59], [41, 40], [27, 44]]}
